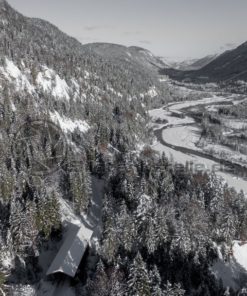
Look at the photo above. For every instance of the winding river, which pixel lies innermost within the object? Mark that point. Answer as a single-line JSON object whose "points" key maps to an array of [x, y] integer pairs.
{"points": [[177, 136]]}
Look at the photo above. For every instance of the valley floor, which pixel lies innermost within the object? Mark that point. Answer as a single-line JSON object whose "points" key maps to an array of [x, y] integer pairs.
{"points": [[181, 131]]}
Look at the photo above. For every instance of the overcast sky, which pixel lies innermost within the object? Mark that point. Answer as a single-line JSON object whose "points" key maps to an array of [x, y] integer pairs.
{"points": [[170, 28]]}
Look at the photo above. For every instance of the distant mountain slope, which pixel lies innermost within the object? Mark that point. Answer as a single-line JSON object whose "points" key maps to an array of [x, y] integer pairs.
{"points": [[198, 63], [188, 64], [231, 65], [138, 56], [32, 42], [44, 73]]}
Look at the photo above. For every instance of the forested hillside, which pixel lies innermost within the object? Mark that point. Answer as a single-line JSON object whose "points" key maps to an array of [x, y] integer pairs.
{"points": [[72, 117]]}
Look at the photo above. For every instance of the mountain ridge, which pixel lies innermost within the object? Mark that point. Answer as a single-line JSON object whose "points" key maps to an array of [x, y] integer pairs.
{"points": [[120, 52], [231, 65]]}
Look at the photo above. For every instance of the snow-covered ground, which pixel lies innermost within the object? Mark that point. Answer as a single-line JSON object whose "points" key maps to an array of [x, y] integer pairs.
{"points": [[226, 153], [87, 224], [205, 101], [22, 290], [201, 164], [13, 74], [67, 124], [235, 124], [215, 108], [240, 253], [47, 80], [187, 136], [183, 136], [232, 272], [166, 115], [175, 108], [182, 132], [152, 92]]}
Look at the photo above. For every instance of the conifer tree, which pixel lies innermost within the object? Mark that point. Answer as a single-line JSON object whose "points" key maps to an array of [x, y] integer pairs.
{"points": [[99, 285], [155, 282], [138, 283], [48, 214], [117, 287], [175, 290]]}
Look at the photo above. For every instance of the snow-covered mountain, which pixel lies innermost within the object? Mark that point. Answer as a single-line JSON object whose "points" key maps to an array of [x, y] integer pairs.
{"points": [[230, 65], [65, 110], [39, 61], [198, 63], [187, 64]]}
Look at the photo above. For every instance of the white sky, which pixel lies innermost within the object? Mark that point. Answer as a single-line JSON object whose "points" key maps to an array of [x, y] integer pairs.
{"points": [[170, 28]]}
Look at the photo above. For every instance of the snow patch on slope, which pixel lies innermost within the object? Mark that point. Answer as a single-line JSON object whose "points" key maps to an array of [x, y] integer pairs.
{"points": [[67, 124], [6, 259], [61, 88], [12, 70], [49, 81], [44, 79], [13, 74], [152, 92], [240, 253], [233, 271]]}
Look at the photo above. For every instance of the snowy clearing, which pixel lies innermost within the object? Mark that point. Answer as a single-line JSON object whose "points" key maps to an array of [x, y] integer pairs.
{"points": [[14, 75]]}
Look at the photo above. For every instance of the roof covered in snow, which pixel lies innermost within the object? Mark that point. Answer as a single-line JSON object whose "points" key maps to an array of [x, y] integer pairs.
{"points": [[72, 251]]}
